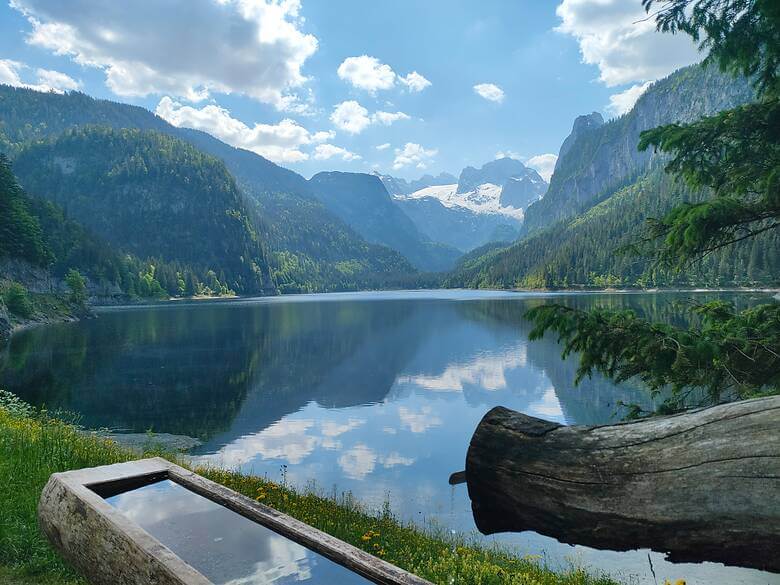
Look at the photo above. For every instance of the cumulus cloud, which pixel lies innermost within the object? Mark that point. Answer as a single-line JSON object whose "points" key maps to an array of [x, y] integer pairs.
{"points": [[353, 118], [618, 38], [350, 116], [622, 102], [387, 118], [180, 48], [45, 79], [327, 151], [544, 164], [508, 154], [413, 154], [415, 82], [384, 146], [367, 73], [490, 92], [280, 142], [371, 75]]}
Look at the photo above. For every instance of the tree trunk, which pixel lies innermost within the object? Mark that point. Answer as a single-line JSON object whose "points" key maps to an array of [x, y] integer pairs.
{"points": [[703, 485]]}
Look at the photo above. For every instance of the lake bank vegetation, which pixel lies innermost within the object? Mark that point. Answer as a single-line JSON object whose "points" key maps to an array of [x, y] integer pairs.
{"points": [[33, 445]]}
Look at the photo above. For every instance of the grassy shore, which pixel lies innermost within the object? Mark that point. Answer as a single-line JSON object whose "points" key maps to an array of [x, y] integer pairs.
{"points": [[33, 445]]}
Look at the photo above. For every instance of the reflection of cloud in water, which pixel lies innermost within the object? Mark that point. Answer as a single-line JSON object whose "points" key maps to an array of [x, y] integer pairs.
{"points": [[487, 370], [360, 460], [290, 439], [289, 559], [418, 422], [357, 462], [334, 429], [548, 406]]}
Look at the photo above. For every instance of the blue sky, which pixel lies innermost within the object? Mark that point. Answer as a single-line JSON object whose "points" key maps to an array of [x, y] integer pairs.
{"points": [[320, 84]]}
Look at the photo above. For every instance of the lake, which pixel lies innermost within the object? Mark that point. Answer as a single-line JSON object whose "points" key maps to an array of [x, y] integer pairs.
{"points": [[373, 393]]}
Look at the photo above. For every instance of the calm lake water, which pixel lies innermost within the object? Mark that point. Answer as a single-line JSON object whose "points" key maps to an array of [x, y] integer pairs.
{"points": [[374, 393]]}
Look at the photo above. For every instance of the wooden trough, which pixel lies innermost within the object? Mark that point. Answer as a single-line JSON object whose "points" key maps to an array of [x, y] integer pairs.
{"points": [[109, 547], [700, 486]]}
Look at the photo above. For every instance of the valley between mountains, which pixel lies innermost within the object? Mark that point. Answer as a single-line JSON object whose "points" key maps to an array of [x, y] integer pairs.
{"points": [[143, 209]]}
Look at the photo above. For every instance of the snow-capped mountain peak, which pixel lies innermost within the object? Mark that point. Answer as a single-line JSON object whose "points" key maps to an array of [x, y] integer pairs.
{"points": [[484, 198]]}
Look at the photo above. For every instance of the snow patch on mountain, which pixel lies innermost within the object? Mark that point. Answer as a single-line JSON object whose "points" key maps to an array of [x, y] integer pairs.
{"points": [[485, 198]]}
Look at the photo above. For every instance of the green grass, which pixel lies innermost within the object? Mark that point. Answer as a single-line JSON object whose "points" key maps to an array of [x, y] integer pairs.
{"points": [[33, 446]]}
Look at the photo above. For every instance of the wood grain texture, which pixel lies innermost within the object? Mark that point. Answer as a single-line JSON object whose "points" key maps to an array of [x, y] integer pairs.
{"points": [[702, 485], [108, 548]]}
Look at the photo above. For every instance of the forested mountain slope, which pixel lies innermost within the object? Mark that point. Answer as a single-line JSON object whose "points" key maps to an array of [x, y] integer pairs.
{"points": [[599, 158], [601, 194], [150, 195], [310, 248], [585, 251], [39, 245], [362, 201]]}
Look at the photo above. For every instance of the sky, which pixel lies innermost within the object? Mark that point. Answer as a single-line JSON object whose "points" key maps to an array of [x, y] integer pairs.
{"points": [[403, 87]]}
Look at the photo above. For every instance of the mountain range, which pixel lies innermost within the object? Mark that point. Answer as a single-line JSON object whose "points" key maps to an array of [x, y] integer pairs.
{"points": [[144, 207], [601, 193], [484, 205]]}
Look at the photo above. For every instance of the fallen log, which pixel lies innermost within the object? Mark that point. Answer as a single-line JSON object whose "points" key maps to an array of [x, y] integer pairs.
{"points": [[701, 486]]}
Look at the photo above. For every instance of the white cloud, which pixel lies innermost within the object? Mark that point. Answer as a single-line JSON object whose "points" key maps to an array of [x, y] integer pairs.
{"points": [[388, 118], [56, 80], [367, 73], [413, 154], [280, 142], [617, 37], [350, 117], [622, 102], [384, 146], [251, 47], [414, 81], [490, 92], [509, 154], [46, 79], [327, 151], [371, 75], [544, 164]]}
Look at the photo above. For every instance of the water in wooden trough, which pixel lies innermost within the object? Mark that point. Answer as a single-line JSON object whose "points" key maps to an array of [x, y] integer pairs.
{"points": [[223, 545]]}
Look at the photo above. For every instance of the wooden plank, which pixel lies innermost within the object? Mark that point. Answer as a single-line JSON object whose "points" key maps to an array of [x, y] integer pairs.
{"points": [[108, 548], [344, 554]]}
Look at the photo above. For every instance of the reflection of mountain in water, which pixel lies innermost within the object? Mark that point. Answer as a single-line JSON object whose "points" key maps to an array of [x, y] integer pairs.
{"points": [[224, 370], [593, 401], [190, 370]]}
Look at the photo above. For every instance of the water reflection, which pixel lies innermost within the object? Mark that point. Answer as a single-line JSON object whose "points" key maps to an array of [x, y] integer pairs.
{"points": [[373, 393], [223, 546]]}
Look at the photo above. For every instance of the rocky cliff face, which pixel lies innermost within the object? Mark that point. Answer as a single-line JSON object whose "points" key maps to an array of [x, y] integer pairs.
{"points": [[597, 158], [520, 192], [496, 172]]}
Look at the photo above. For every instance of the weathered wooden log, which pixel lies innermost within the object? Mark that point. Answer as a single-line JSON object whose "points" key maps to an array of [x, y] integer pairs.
{"points": [[703, 485]]}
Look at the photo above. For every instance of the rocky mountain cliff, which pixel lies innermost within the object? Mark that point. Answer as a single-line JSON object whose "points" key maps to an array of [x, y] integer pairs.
{"points": [[598, 158], [601, 194], [485, 205]]}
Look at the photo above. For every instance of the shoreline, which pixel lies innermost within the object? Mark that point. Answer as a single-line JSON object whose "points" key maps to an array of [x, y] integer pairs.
{"points": [[628, 290]]}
